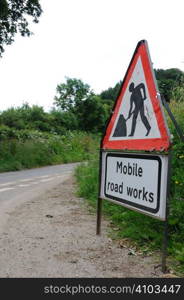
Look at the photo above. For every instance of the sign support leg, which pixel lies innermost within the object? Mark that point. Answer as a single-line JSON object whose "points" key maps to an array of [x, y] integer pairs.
{"points": [[178, 129], [99, 202], [164, 249], [166, 225], [99, 216]]}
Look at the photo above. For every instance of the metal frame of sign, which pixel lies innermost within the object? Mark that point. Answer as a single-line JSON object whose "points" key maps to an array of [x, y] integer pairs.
{"points": [[126, 203], [165, 144], [133, 207], [161, 192]]}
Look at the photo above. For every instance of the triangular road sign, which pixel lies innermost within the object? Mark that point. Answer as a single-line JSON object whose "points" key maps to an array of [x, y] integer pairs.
{"points": [[137, 121]]}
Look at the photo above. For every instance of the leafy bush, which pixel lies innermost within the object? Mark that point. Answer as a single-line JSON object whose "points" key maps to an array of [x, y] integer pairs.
{"points": [[26, 149]]}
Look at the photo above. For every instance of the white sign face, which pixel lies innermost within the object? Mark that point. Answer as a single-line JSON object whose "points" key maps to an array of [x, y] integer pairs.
{"points": [[137, 181], [136, 114]]}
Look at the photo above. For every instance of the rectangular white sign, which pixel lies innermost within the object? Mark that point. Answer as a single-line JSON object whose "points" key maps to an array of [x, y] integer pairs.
{"points": [[137, 181]]}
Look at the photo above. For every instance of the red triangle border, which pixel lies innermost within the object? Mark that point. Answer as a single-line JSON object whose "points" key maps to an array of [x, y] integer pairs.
{"points": [[157, 144]]}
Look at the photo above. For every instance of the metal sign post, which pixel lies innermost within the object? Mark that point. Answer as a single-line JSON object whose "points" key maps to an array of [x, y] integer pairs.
{"points": [[99, 203], [178, 128], [99, 216], [165, 244], [165, 229]]}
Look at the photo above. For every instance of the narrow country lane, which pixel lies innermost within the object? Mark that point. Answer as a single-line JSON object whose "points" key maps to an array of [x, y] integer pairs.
{"points": [[27, 182], [19, 187], [47, 231]]}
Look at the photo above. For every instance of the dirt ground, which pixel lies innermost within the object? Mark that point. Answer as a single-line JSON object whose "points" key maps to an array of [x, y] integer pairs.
{"points": [[54, 235]]}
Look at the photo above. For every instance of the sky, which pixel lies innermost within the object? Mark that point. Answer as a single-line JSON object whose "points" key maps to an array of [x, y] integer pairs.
{"points": [[91, 40]]}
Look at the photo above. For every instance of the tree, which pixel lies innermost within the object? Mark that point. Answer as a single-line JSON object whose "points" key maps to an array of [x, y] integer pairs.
{"points": [[62, 120], [169, 80], [13, 19], [71, 93], [80, 106], [93, 114], [111, 93]]}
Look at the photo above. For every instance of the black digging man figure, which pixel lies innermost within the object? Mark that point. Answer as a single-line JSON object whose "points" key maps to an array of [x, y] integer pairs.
{"points": [[137, 98]]}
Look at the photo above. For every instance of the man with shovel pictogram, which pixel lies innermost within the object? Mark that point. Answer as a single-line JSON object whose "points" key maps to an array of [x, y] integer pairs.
{"points": [[137, 98]]}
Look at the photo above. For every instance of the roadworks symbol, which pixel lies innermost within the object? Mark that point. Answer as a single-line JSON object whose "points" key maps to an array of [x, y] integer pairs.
{"points": [[137, 98]]}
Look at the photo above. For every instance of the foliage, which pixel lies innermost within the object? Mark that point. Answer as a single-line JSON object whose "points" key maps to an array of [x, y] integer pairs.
{"points": [[60, 121], [20, 149], [71, 93], [92, 114], [77, 100], [35, 118], [177, 93], [111, 93], [177, 186], [170, 82], [14, 15], [177, 109], [26, 117]]}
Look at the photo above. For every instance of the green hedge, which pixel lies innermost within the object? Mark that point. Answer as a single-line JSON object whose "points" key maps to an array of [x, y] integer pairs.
{"points": [[20, 149]]}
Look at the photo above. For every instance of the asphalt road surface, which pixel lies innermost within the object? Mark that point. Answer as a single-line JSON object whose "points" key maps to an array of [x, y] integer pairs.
{"points": [[31, 182], [20, 186]]}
